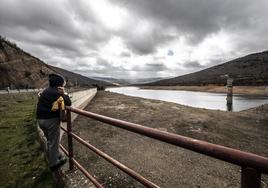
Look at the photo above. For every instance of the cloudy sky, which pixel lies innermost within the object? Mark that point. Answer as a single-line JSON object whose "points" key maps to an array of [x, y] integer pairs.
{"points": [[136, 38]]}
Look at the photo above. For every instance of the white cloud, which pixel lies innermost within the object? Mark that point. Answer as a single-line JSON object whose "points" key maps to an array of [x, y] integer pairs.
{"points": [[112, 17], [213, 47]]}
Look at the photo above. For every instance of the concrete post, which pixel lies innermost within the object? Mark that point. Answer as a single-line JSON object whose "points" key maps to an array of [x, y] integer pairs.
{"points": [[229, 98]]}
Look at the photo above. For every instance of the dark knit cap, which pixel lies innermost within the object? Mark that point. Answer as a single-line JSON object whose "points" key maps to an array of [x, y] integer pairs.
{"points": [[55, 80]]}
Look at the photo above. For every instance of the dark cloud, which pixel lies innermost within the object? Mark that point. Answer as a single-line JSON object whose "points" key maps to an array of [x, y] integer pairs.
{"points": [[55, 25], [158, 58], [105, 68], [197, 19], [141, 47], [193, 64], [170, 53], [155, 67], [104, 63], [39, 16], [148, 42], [150, 67], [125, 54]]}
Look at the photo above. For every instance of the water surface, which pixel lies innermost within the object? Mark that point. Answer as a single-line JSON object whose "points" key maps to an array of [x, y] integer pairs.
{"points": [[216, 101]]}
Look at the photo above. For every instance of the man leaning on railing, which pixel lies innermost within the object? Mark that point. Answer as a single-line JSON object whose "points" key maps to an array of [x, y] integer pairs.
{"points": [[50, 102]]}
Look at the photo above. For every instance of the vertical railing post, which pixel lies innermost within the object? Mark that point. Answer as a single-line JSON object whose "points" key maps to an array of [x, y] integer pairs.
{"points": [[70, 140], [250, 178]]}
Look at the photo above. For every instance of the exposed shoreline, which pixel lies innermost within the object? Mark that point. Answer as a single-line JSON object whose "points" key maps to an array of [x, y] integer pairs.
{"points": [[166, 165], [245, 90]]}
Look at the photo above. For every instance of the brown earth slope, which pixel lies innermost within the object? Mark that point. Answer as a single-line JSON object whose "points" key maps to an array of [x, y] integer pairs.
{"points": [[167, 165], [249, 70], [19, 69]]}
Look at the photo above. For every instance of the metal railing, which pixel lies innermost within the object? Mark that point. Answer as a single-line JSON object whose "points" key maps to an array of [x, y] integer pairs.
{"points": [[252, 166]]}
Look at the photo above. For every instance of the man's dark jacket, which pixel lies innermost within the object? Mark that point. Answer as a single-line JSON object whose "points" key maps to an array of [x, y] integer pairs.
{"points": [[46, 99]]}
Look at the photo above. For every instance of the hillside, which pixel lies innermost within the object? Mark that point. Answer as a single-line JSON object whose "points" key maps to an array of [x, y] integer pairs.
{"points": [[81, 80], [248, 70], [19, 69]]}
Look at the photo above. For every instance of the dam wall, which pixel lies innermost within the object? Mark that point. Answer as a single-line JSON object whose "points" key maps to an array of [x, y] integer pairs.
{"points": [[80, 99]]}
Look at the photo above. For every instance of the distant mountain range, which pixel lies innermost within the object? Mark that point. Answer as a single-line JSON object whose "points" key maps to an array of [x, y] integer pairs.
{"points": [[19, 69], [248, 70], [124, 82]]}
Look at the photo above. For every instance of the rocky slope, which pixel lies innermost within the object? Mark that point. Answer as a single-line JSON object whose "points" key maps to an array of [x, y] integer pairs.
{"points": [[248, 70], [19, 69]]}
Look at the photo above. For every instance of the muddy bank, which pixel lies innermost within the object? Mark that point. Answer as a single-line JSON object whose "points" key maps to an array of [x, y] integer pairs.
{"points": [[245, 90], [166, 165]]}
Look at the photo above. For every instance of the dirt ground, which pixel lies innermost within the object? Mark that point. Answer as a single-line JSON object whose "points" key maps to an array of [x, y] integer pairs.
{"points": [[245, 90], [166, 165]]}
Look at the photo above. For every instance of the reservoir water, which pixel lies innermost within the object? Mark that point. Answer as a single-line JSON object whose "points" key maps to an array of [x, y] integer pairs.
{"points": [[206, 100]]}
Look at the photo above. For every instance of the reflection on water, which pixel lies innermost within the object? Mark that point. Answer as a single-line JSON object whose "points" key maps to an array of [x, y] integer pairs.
{"points": [[195, 99]]}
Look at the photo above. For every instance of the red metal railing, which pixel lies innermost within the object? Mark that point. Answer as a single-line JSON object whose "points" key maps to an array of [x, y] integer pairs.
{"points": [[252, 166]]}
